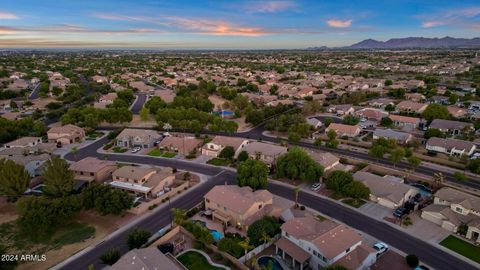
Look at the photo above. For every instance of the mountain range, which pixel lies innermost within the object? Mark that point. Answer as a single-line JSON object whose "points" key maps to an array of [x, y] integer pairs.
{"points": [[413, 42]]}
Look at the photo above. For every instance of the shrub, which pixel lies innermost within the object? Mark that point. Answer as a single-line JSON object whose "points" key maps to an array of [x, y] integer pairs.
{"points": [[110, 257], [412, 260], [137, 238]]}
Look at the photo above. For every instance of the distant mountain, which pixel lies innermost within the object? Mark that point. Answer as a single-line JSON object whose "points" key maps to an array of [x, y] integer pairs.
{"points": [[416, 42]]}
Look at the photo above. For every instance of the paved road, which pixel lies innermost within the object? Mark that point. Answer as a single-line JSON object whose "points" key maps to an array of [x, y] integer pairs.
{"points": [[138, 105], [35, 92], [431, 255]]}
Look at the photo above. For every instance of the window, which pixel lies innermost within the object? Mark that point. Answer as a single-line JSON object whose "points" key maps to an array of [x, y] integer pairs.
{"points": [[348, 249], [315, 252], [458, 209]]}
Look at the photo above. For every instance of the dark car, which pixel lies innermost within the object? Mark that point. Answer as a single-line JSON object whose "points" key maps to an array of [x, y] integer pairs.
{"points": [[400, 212]]}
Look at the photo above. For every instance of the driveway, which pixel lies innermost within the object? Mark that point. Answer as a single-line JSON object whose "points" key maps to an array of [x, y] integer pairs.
{"points": [[375, 210], [426, 230]]}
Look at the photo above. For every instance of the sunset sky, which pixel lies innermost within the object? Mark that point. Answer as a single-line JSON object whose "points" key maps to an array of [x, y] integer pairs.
{"points": [[228, 24]]}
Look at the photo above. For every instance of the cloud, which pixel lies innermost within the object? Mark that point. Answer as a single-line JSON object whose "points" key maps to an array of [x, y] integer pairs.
{"points": [[8, 16], [75, 29], [269, 6], [461, 17], [339, 23]]}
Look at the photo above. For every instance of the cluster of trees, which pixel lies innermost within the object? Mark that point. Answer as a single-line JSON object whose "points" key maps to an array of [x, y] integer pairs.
{"points": [[295, 124], [258, 116], [436, 111], [263, 229], [296, 164], [253, 173], [332, 139], [90, 117], [383, 146], [342, 183], [40, 216], [194, 120], [13, 129]]}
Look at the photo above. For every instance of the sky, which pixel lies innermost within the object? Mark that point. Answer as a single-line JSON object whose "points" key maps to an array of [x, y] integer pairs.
{"points": [[217, 24]]}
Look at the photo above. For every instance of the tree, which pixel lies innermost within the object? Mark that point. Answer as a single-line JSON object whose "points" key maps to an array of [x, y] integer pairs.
{"points": [[106, 199], [178, 216], [433, 132], [154, 104], [296, 164], [438, 179], [243, 156], [267, 225], [388, 82], [377, 151], [57, 177], [227, 153], [396, 156], [327, 121], [412, 260], [14, 179], [356, 190], [231, 246], [351, 120], [386, 122], [337, 180], [474, 166], [332, 135], [137, 238], [144, 114], [111, 256], [414, 162], [245, 245], [252, 173], [436, 111], [390, 108], [460, 176]]}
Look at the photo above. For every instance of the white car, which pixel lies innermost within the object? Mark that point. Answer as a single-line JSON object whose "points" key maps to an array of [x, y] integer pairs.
{"points": [[316, 186], [380, 248], [136, 149]]}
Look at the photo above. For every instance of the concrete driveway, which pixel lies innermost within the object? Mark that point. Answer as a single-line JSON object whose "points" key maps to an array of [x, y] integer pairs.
{"points": [[375, 210], [426, 230]]}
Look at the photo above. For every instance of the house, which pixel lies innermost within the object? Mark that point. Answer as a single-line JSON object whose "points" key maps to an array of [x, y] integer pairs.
{"points": [[27, 157], [451, 147], [147, 182], [411, 107], [405, 121], [149, 258], [399, 137], [381, 102], [217, 144], [343, 109], [372, 114], [137, 138], [416, 97], [308, 242], [440, 100], [67, 134], [385, 190], [452, 209], [183, 145], [92, 169], [457, 112], [314, 122], [305, 92], [238, 206], [265, 152], [344, 130], [105, 100], [24, 142], [451, 127], [327, 160]]}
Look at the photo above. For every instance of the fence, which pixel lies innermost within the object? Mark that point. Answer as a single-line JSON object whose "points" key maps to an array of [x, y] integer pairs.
{"points": [[258, 249]]}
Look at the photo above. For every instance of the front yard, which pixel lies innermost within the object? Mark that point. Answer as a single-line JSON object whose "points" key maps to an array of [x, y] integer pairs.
{"points": [[462, 247], [354, 202], [159, 153], [219, 162]]}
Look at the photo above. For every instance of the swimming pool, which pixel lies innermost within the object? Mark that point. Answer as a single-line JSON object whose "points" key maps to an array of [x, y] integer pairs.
{"points": [[425, 191], [264, 261], [216, 235]]}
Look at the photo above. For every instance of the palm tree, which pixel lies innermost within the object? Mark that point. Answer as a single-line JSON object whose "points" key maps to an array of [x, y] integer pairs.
{"points": [[74, 151], [265, 238], [246, 246], [297, 190], [253, 261], [167, 127], [438, 179]]}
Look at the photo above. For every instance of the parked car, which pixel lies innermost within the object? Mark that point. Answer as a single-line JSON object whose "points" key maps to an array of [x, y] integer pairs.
{"points": [[316, 186], [400, 212], [136, 149], [421, 267], [380, 248]]}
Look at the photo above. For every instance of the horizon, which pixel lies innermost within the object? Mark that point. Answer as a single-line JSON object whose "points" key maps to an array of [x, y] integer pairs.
{"points": [[228, 25]]}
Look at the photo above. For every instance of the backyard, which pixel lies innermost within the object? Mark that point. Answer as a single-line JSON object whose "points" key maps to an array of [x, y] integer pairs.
{"points": [[196, 261], [462, 247]]}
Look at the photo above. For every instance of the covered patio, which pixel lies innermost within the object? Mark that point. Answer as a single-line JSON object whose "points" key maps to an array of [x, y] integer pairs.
{"points": [[292, 253]]}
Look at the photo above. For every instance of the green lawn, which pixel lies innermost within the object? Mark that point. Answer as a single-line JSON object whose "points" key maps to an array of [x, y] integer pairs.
{"points": [[118, 149], [219, 162], [462, 247], [354, 202], [196, 261], [159, 153]]}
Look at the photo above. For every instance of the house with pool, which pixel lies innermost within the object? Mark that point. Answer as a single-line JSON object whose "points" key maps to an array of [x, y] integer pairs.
{"points": [[307, 243]]}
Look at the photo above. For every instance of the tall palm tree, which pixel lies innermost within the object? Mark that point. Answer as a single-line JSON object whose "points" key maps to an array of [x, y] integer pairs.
{"points": [[297, 190], [438, 179], [265, 238], [246, 246]]}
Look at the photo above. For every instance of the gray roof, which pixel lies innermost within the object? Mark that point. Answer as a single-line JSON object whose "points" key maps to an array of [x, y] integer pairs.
{"points": [[448, 124], [391, 134], [383, 187], [265, 149], [449, 144]]}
